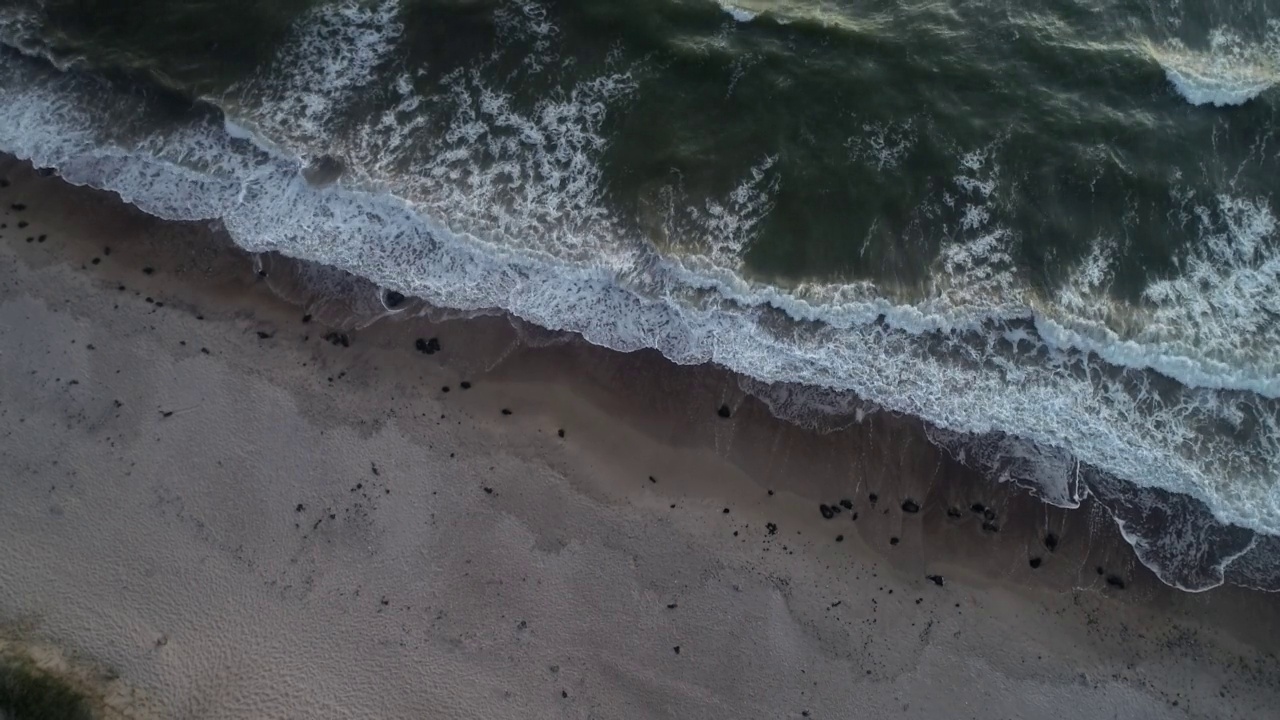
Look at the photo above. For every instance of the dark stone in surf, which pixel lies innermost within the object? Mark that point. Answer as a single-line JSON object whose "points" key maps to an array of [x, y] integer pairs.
{"points": [[989, 514], [827, 512], [148, 271], [1115, 581], [990, 526], [910, 506], [936, 579], [18, 207], [978, 508], [954, 512], [1034, 563], [506, 411], [847, 504], [873, 498], [306, 318], [337, 338], [264, 335], [839, 538], [560, 432], [772, 528], [22, 224], [465, 385], [677, 649], [894, 541], [427, 347], [323, 171], [1051, 542], [724, 411], [393, 298]]}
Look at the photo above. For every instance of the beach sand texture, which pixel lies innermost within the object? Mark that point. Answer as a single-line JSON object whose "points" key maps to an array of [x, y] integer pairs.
{"points": [[227, 496]]}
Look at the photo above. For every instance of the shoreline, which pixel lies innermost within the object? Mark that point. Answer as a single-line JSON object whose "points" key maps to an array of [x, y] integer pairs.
{"points": [[673, 494]]}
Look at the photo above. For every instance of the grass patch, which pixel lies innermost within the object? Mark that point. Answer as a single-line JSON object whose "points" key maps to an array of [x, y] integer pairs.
{"points": [[29, 693]]}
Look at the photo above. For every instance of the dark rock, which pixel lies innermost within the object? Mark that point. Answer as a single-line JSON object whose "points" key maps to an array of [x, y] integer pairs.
{"points": [[772, 528], [954, 512], [893, 541], [148, 271], [306, 318], [1115, 581], [465, 385], [428, 347], [1051, 542], [873, 498], [990, 526], [910, 506], [978, 508], [1034, 563], [677, 649], [672, 606], [726, 511], [847, 504], [560, 432], [337, 338], [488, 491], [264, 335], [300, 508], [1100, 570], [18, 206], [393, 298], [323, 170], [22, 224], [506, 411], [937, 579], [724, 411], [827, 512], [839, 538], [444, 388], [989, 514]]}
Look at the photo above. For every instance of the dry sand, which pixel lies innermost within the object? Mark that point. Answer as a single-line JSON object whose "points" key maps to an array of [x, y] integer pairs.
{"points": [[216, 512]]}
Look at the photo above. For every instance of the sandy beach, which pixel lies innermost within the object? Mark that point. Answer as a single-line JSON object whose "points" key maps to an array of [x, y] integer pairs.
{"points": [[229, 493]]}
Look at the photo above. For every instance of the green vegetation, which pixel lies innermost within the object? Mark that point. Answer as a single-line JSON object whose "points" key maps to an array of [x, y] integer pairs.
{"points": [[29, 693]]}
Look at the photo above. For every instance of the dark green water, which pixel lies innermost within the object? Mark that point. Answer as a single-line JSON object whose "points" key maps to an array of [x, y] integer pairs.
{"points": [[1046, 228]]}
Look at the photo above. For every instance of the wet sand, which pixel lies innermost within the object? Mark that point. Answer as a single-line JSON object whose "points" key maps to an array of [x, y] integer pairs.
{"points": [[234, 495]]}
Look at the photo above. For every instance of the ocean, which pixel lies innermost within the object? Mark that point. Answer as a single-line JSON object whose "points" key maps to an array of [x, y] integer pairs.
{"points": [[1046, 228]]}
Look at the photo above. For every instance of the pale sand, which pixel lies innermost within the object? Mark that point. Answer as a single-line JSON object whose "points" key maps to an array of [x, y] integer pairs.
{"points": [[155, 457]]}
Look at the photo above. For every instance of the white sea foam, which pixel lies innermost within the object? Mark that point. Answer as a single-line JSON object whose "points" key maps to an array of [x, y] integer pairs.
{"points": [[1230, 72], [739, 14], [503, 209]]}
